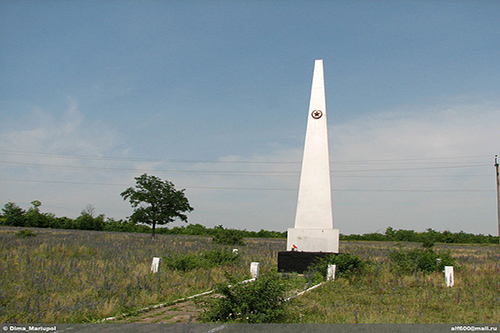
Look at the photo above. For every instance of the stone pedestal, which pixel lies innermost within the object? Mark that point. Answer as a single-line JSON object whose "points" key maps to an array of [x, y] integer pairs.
{"points": [[298, 262], [313, 240]]}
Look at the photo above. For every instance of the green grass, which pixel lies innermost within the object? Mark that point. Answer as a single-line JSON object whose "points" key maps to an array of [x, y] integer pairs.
{"points": [[385, 295], [70, 276]]}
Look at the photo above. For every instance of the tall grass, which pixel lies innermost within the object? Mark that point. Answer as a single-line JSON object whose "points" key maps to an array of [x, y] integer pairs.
{"points": [[385, 295], [71, 276], [83, 276]]}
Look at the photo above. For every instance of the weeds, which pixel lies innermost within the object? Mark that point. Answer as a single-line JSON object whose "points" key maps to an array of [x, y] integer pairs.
{"points": [[228, 237], [84, 276], [184, 262], [220, 256], [213, 258], [261, 301], [347, 265], [385, 295], [420, 260], [72, 276], [25, 233]]}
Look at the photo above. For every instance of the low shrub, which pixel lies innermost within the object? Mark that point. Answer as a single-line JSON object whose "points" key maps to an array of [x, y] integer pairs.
{"points": [[25, 233], [215, 257], [261, 301], [184, 262], [428, 242], [228, 237], [347, 264], [219, 257], [420, 260]]}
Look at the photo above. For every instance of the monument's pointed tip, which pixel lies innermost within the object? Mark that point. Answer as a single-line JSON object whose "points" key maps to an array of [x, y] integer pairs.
{"points": [[318, 76]]}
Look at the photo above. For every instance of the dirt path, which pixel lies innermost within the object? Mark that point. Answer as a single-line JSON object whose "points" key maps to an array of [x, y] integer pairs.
{"points": [[183, 312]]}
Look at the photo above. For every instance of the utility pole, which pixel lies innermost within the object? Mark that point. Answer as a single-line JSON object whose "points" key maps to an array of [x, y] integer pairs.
{"points": [[498, 195]]}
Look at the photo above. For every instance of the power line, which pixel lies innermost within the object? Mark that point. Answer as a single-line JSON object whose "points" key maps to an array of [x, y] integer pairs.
{"points": [[246, 188], [413, 176], [241, 173], [420, 168], [77, 167], [136, 159]]}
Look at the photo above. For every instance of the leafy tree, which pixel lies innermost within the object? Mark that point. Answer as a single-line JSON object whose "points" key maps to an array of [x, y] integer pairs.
{"points": [[156, 201], [34, 218], [14, 215], [89, 221], [405, 236], [119, 225], [390, 233], [196, 229], [64, 223]]}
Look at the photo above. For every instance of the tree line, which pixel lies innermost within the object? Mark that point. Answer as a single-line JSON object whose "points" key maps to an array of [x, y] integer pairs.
{"points": [[427, 238], [154, 201], [13, 215]]}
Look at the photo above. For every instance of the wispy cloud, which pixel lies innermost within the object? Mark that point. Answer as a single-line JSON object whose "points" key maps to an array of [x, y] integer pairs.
{"points": [[431, 150], [414, 168], [48, 148], [66, 133]]}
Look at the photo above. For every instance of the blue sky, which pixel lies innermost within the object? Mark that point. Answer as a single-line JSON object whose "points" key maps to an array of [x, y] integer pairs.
{"points": [[213, 95]]}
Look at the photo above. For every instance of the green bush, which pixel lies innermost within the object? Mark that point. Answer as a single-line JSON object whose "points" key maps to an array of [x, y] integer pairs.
{"points": [[261, 301], [420, 260], [228, 237], [218, 257], [347, 264], [207, 259], [428, 242], [184, 262], [25, 233]]}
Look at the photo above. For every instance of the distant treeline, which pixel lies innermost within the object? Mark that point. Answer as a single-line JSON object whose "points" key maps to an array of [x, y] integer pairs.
{"points": [[429, 236], [200, 230], [13, 215]]}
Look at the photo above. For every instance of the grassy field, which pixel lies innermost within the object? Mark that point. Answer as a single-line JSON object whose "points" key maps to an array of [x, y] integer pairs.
{"points": [[384, 296], [83, 276]]}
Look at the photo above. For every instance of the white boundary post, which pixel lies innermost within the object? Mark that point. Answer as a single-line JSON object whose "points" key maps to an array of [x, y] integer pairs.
{"points": [[254, 270], [448, 276], [155, 265], [330, 276]]}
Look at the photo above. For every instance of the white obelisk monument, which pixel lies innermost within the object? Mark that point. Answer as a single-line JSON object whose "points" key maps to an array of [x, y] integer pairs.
{"points": [[313, 230]]}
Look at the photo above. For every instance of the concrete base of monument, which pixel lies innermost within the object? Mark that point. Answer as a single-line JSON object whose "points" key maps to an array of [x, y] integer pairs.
{"points": [[298, 262], [313, 240]]}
